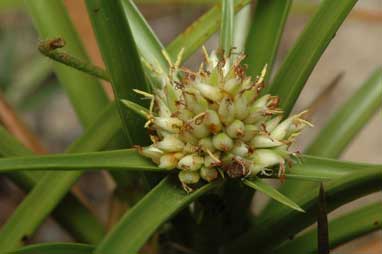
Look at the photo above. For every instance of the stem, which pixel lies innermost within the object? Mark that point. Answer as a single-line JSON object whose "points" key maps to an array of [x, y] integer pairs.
{"points": [[49, 49]]}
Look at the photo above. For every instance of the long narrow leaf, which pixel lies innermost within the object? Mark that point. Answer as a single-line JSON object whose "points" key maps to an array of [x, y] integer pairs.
{"points": [[202, 29], [151, 48], [226, 27], [128, 159], [342, 229], [268, 190], [265, 34], [241, 27], [70, 214], [54, 185], [304, 55], [142, 220], [55, 248], [346, 122], [51, 20], [121, 57], [349, 119], [274, 227]]}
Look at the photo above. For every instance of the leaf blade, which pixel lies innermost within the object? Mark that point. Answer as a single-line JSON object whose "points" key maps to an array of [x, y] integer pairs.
{"points": [[268, 190], [301, 59], [55, 248], [52, 20], [345, 228], [265, 33], [126, 159], [54, 185], [226, 26], [201, 30], [122, 62], [349, 119], [139, 223]]}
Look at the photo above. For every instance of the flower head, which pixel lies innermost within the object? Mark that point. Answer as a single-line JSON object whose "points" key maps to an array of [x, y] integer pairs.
{"points": [[215, 120]]}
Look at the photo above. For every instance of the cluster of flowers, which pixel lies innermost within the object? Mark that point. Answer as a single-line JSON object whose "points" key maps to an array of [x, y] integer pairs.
{"points": [[215, 122]]}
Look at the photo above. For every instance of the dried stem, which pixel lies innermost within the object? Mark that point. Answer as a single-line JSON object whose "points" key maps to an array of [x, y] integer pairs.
{"points": [[50, 49], [18, 128]]}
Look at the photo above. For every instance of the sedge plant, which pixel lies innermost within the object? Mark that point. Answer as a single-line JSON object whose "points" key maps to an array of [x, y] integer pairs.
{"points": [[193, 146]]}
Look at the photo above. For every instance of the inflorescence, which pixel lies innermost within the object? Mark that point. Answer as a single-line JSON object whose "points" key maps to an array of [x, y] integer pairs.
{"points": [[215, 122]]}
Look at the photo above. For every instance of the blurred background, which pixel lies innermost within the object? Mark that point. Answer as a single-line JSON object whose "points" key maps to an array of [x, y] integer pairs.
{"points": [[46, 122]]}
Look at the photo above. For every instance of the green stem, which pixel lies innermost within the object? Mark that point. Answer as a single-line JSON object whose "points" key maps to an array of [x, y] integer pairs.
{"points": [[49, 49]]}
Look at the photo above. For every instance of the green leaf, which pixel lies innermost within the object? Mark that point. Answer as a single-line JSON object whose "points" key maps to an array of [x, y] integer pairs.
{"points": [[139, 223], [127, 159], [137, 109], [346, 122], [226, 27], [55, 248], [265, 34], [52, 20], [258, 184], [70, 214], [54, 185], [349, 119], [341, 230], [301, 59], [241, 27], [199, 31], [148, 43], [121, 57], [277, 224], [28, 79]]}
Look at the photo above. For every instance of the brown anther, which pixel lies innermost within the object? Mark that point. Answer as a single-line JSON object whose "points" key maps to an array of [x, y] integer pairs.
{"points": [[178, 85], [281, 173], [235, 169], [274, 102], [264, 128], [213, 128]]}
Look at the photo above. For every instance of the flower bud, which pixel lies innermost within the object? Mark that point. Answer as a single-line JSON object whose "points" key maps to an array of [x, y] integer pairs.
{"points": [[232, 86], [212, 93], [184, 114], [169, 124], [208, 174], [222, 142], [151, 152], [240, 149], [250, 132], [206, 144], [188, 177], [171, 97], [236, 129], [168, 161], [190, 148], [270, 125], [266, 158], [187, 137], [226, 110], [170, 143], [191, 162], [264, 142], [195, 102], [241, 108], [212, 161], [212, 121], [199, 130]]}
